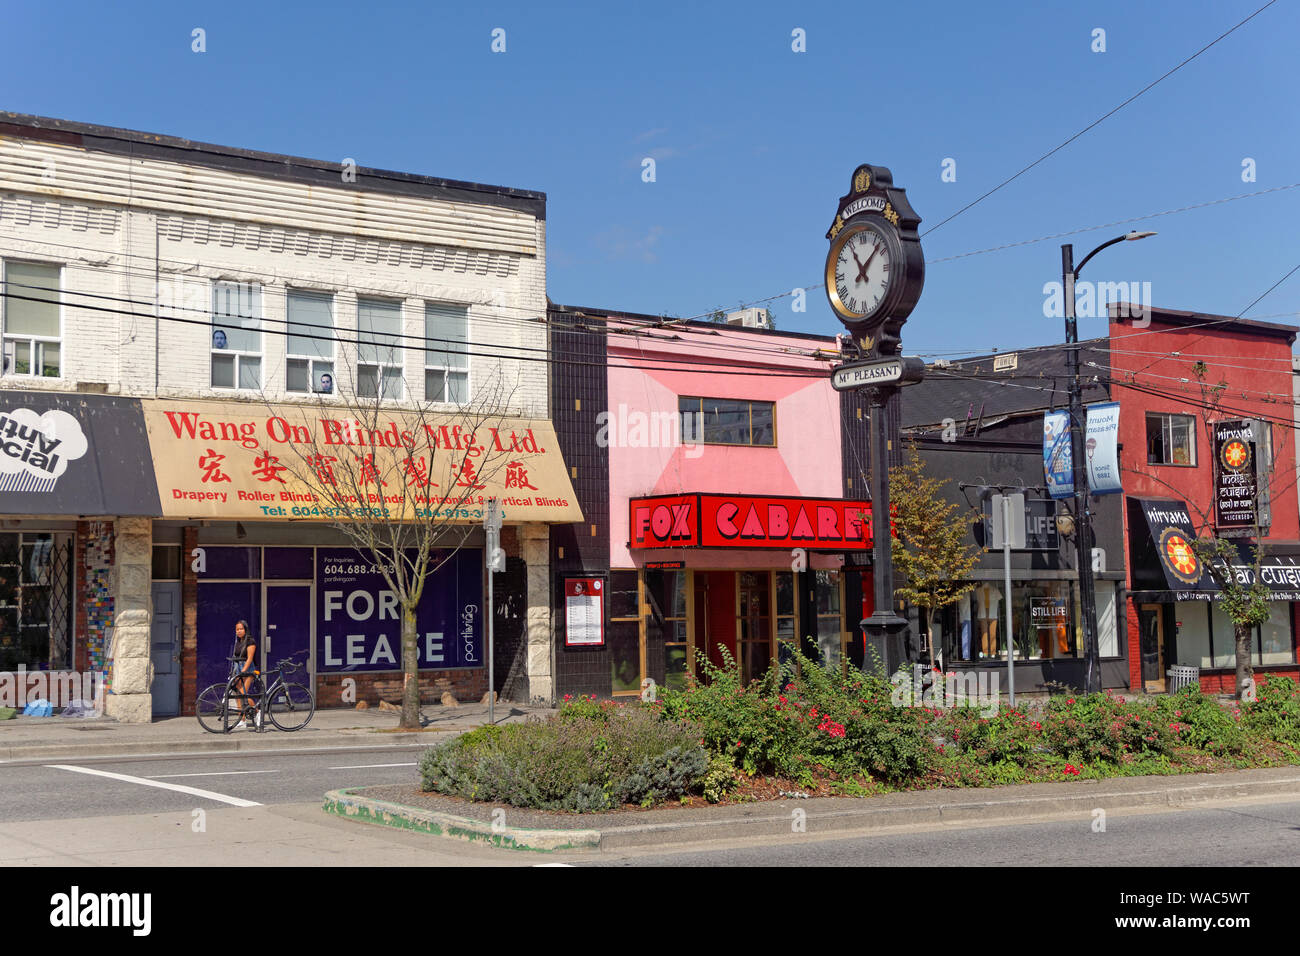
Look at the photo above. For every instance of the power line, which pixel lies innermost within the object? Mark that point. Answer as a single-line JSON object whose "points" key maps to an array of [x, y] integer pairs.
{"points": [[1108, 225], [479, 316], [1097, 122], [673, 364]]}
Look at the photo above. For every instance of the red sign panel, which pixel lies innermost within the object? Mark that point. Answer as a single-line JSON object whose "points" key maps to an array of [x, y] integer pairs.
{"points": [[747, 521]]}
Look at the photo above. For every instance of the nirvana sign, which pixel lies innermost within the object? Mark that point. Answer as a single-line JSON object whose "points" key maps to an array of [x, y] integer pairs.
{"points": [[746, 521], [1240, 505]]}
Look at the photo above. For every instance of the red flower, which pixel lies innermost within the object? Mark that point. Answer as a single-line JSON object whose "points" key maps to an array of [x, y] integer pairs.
{"points": [[1071, 769]]}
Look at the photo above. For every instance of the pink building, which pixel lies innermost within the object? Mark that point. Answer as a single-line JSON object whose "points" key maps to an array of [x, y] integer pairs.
{"points": [[721, 511]]}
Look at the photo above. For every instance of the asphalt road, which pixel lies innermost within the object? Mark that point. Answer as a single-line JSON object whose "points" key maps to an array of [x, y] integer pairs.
{"points": [[264, 808], [1237, 834], [56, 789]]}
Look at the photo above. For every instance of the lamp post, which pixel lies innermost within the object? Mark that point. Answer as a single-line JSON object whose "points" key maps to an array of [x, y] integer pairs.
{"points": [[1083, 541]]}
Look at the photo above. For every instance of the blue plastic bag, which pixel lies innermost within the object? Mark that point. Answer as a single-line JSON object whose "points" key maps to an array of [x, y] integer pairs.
{"points": [[38, 708]]}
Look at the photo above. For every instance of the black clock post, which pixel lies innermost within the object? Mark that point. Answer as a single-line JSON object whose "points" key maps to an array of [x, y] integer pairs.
{"points": [[874, 274]]}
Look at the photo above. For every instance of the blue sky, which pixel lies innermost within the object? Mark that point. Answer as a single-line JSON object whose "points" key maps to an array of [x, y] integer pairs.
{"points": [[753, 142]]}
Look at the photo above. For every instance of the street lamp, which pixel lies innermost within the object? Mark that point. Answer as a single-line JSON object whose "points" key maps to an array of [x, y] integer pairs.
{"points": [[1083, 542]]}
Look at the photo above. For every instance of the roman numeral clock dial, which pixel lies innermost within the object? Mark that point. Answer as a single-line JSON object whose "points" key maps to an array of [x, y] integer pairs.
{"points": [[864, 270]]}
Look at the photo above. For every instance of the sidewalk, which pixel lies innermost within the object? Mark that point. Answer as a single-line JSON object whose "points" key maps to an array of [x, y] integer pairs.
{"points": [[24, 738], [518, 829]]}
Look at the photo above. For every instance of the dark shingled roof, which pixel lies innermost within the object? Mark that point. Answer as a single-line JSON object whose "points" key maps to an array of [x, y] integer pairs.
{"points": [[971, 387]]}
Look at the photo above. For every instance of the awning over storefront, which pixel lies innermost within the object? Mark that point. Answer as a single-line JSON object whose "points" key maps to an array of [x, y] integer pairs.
{"points": [[64, 454], [749, 521], [314, 461], [1165, 568]]}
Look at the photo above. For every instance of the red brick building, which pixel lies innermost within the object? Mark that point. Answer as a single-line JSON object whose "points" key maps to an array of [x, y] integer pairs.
{"points": [[1175, 379]]}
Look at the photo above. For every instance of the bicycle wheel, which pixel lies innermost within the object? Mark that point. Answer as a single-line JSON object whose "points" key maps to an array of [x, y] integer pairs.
{"points": [[211, 709], [290, 706]]}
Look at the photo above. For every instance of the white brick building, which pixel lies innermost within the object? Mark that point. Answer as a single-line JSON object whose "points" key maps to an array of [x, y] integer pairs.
{"points": [[191, 271]]}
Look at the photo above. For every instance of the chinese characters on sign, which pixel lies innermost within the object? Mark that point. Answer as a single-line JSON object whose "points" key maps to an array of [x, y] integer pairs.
{"points": [[287, 463]]}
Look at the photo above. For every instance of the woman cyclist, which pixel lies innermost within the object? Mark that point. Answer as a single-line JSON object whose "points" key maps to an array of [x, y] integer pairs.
{"points": [[246, 656]]}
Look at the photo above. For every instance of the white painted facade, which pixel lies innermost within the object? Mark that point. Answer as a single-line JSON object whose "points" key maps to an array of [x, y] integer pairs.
{"points": [[151, 236], [143, 226]]}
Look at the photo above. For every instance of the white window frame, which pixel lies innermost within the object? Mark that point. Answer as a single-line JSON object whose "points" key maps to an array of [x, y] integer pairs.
{"points": [[311, 360], [239, 354], [35, 343], [1167, 420], [381, 367], [432, 349]]}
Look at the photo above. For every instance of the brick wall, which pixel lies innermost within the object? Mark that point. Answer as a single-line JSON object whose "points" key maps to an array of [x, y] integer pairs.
{"points": [[189, 622]]}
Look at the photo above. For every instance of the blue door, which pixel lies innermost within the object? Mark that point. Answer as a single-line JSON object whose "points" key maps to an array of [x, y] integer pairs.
{"points": [[288, 629], [165, 649]]}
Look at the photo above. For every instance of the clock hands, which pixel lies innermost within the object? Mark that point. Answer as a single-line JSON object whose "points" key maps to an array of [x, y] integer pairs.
{"points": [[861, 266]]}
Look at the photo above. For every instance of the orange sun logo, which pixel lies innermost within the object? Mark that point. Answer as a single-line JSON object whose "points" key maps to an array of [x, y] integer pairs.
{"points": [[1179, 557], [1235, 455]]}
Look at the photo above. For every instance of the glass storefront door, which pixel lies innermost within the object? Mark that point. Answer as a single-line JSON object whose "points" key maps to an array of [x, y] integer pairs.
{"points": [[754, 623]]}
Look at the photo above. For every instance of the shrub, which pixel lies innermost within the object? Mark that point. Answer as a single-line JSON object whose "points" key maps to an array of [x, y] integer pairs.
{"points": [[1275, 713], [720, 779], [802, 716], [570, 762], [1199, 721], [1103, 727]]}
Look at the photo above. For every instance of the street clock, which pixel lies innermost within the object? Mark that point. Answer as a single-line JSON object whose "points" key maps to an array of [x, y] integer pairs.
{"points": [[874, 269]]}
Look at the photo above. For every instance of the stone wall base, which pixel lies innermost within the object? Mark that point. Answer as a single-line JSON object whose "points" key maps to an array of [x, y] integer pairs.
{"points": [[129, 708]]}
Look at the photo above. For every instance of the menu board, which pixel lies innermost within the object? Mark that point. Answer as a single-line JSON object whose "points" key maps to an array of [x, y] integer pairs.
{"points": [[584, 612]]}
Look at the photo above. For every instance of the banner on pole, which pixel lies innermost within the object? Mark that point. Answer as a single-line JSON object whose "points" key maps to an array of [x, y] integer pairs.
{"points": [[1101, 445], [1058, 462]]}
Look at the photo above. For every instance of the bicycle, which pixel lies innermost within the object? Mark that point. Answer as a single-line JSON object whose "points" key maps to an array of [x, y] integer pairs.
{"points": [[289, 706]]}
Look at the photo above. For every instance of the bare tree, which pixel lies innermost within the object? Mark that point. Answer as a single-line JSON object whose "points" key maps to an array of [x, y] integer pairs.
{"points": [[403, 482]]}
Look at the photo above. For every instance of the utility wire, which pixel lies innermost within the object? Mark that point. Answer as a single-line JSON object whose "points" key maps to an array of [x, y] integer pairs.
{"points": [[1098, 121]]}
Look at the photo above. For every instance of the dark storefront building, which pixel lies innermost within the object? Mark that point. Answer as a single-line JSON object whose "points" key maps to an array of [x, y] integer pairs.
{"points": [[984, 429]]}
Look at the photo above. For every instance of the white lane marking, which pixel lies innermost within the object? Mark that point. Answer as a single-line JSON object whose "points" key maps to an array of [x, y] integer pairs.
{"points": [[211, 773], [366, 766], [179, 788]]}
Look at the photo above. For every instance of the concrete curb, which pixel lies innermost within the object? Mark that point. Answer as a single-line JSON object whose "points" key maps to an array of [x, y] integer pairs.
{"points": [[775, 818], [348, 804]]}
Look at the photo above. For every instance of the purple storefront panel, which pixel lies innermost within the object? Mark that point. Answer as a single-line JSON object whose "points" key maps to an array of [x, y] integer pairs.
{"points": [[359, 622], [225, 561], [220, 605]]}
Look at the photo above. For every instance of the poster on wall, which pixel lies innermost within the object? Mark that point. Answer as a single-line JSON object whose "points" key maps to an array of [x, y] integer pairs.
{"points": [[1102, 447], [359, 621], [584, 612], [1058, 461]]}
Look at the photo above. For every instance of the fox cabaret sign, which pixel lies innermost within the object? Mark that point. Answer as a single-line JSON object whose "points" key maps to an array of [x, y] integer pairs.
{"points": [[746, 521]]}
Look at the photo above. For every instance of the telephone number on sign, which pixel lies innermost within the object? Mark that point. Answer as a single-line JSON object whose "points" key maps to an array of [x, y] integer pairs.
{"points": [[356, 568], [318, 512]]}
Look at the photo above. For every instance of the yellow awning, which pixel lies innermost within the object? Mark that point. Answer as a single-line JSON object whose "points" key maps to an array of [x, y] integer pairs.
{"points": [[315, 461]]}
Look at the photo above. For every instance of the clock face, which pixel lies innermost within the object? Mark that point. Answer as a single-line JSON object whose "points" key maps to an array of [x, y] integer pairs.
{"points": [[864, 270]]}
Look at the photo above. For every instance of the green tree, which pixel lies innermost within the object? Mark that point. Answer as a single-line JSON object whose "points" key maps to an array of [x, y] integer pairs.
{"points": [[933, 552]]}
